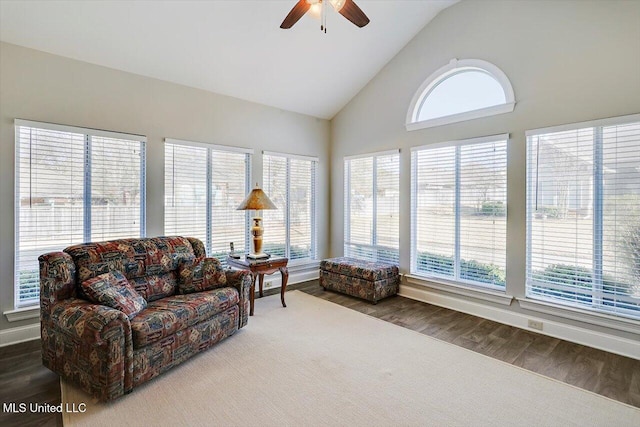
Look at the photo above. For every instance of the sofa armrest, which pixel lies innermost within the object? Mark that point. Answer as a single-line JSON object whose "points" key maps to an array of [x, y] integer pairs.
{"points": [[198, 247], [57, 279], [91, 345], [242, 281]]}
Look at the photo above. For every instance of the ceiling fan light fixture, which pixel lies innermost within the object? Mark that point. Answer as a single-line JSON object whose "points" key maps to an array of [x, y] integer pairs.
{"points": [[337, 4], [315, 9], [347, 8]]}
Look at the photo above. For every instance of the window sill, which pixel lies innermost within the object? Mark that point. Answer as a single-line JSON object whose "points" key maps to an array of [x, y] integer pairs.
{"points": [[461, 117], [303, 264], [454, 288], [22, 314], [581, 315]]}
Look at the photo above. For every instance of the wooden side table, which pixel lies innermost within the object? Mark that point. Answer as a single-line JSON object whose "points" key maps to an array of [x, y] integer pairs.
{"points": [[258, 269]]}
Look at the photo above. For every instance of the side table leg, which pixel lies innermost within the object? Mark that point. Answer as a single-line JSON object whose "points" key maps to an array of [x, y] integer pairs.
{"points": [[252, 295], [285, 277], [261, 280]]}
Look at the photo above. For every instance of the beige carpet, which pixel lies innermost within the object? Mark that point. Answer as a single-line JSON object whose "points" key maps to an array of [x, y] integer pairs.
{"points": [[317, 363]]}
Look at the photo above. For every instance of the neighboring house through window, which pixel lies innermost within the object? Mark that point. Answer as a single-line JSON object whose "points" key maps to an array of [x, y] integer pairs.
{"points": [[583, 215], [73, 185]]}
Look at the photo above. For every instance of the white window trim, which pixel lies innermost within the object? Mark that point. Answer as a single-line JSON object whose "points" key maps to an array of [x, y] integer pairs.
{"points": [[78, 129], [611, 121], [27, 311], [291, 156], [598, 317], [481, 293], [462, 142], [314, 208], [209, 145], [248, 176], [376, 154], [445, 72], [23, 313], [467, 285], [347, 206]]}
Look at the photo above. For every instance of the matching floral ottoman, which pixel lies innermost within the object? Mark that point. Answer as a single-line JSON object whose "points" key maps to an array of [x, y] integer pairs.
{"points": [[372, 281]]}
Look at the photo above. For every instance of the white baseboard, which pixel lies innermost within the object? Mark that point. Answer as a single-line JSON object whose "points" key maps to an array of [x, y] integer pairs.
{"points": [[599, 340], [19, 334], [275, 280]]}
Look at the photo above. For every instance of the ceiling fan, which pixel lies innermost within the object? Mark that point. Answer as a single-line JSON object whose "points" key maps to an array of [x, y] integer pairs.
{"points": [[346, 8]]}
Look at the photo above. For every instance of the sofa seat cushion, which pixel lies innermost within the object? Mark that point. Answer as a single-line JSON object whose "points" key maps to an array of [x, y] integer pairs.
{"points": [[167, 316]]}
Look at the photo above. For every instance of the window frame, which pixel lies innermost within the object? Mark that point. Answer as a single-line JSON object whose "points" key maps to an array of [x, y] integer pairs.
{"points": [[455, 281], [534, 302], [454, 67], [88, 133], [347, 203], [315, 162], [248, 152]]}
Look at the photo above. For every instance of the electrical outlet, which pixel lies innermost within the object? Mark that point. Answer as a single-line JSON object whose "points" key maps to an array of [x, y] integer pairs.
{"points": [[534, 324]]}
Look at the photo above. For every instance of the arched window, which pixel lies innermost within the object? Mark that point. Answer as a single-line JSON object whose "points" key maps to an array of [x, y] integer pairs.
{"points": [[461, 90]]}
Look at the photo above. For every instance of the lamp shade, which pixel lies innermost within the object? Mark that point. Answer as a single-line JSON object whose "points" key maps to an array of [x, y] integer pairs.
{"points": [[255, 201]]}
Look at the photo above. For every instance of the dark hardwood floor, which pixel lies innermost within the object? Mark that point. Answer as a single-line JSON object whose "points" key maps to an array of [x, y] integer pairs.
{"points": [[24, 379], [611, 375]]}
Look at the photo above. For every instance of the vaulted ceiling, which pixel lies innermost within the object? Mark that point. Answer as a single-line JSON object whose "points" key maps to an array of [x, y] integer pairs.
{"points": [[234, 48]]}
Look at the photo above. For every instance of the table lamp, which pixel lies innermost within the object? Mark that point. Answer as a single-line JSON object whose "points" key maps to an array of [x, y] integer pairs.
{"points": [[257, 200]]}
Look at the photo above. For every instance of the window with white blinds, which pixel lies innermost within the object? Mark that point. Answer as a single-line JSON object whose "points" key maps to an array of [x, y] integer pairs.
{"points": [[290, 182], [203, 186], [372, 206], [583, 215], [73, 185], [459, 211]]}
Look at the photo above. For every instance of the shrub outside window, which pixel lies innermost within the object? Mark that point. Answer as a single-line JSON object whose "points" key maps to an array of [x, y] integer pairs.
{"points": [[458, 211], [583, 216]]}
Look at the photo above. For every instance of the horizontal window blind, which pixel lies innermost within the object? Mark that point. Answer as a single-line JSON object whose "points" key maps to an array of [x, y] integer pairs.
{"points": [[117, 193], [583, 216], [371, 223], [290, 183], [274, 172], [72, 185], [458, 212], [203, 187], [230, 183], [185, 191]]}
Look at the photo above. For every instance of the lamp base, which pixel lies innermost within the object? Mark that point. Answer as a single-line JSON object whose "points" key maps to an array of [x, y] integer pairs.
{"points": [[258, 256]]}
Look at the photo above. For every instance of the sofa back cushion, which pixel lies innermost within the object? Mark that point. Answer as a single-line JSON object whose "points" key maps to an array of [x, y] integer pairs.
{"points": [[200, 274], [149, 263]]}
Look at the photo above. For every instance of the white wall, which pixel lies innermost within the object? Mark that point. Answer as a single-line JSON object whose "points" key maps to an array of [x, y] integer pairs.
{"points": [[568, 61], [49, 88]]}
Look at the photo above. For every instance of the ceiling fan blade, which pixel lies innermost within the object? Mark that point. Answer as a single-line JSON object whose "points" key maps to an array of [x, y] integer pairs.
{"points": [[353, 13], [295, 14]]}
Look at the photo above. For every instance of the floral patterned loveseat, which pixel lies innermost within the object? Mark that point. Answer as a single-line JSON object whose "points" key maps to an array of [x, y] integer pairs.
{"points": [[107, 351]]}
